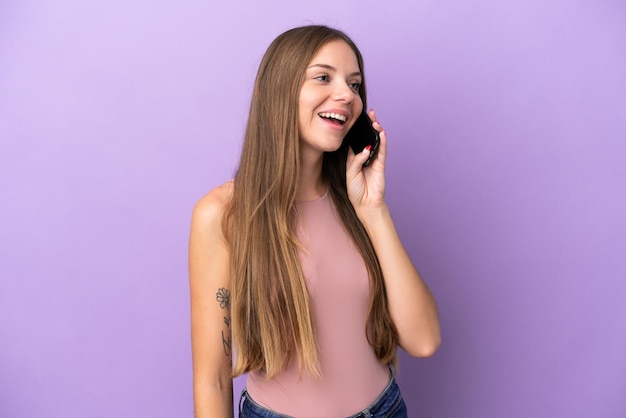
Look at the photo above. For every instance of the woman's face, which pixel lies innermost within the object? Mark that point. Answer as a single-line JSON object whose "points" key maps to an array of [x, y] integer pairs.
{"points": [[329, 99]]}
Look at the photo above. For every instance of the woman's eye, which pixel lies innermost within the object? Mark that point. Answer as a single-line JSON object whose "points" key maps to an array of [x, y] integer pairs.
{"points": [[355, 86], [323, 77]]}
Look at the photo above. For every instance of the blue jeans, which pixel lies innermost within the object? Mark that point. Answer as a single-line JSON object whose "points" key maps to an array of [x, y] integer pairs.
{"points": [[389, 404]]}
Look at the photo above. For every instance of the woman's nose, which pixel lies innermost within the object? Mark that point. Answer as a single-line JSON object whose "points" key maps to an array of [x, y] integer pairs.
{"points": [[343, 92]]}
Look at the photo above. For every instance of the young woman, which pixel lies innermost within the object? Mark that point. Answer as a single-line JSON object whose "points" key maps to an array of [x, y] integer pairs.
{"points": [[297, 274]]}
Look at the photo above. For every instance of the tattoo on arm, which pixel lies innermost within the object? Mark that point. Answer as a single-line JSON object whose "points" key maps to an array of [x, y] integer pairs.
{"points": [[223, 297], [226, 342]]}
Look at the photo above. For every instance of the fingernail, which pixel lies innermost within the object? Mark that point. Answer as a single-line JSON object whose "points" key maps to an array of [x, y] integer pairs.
{"points": [[367, 148]]}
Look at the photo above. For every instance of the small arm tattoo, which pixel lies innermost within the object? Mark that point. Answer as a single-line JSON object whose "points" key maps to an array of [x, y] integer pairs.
{"points": [[226, 342], [223, 297]]}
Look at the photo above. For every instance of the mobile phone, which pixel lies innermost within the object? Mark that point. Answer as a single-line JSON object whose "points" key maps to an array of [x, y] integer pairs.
{"points": [[363, 134]]}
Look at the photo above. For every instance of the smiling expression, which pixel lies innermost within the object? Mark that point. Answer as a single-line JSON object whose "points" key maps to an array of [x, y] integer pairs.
{"points": [[329, 100]]}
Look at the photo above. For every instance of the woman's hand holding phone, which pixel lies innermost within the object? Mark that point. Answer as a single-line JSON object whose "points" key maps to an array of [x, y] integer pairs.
{"points": [[366, 184]]}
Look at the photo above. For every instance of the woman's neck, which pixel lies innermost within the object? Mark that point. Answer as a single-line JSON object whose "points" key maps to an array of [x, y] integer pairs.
{"points": [[311, 185]]}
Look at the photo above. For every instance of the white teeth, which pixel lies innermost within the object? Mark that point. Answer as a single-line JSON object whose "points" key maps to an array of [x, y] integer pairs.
{"points": [[333, 116]]}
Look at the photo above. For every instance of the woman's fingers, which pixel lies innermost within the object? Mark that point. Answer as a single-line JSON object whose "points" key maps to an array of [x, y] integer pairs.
{"points": [[355, 161]]}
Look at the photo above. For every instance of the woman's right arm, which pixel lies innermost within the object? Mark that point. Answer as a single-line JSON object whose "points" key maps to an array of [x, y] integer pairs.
{"points": [[209, 282]]}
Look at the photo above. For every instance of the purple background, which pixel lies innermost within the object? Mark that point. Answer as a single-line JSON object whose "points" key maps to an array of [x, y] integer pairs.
{"points": [[507, 172]]}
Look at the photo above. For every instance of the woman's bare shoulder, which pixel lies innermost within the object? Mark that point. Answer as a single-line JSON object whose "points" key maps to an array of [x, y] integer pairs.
{"points": [[209, 209]]}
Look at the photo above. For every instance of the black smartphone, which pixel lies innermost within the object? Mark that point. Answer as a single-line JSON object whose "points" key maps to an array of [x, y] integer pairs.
{"points": [[363, 134]]}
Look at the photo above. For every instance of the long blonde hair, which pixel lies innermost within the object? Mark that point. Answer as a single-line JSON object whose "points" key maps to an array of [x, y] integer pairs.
{"points": [[270, 308]]}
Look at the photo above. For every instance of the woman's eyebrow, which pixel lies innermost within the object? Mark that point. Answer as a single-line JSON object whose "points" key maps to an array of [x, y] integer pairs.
{"points": [[331, 68]]}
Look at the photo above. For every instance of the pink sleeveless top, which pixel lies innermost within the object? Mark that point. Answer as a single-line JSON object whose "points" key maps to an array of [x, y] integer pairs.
{"points": [[338, 283]]}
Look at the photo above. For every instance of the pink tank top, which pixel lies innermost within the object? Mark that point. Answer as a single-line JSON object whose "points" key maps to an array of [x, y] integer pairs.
{"points": [[338, 283]]}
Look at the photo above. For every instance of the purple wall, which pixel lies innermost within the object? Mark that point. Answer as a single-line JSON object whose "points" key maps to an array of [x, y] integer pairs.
{"points": [[507, 173]]}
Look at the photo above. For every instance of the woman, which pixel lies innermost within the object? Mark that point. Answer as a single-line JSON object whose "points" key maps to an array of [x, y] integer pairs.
{"points": [[296, 269]]}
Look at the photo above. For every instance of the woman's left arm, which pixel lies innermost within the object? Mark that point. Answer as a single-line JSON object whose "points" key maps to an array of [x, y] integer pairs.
{"points": [[411, 304]]}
